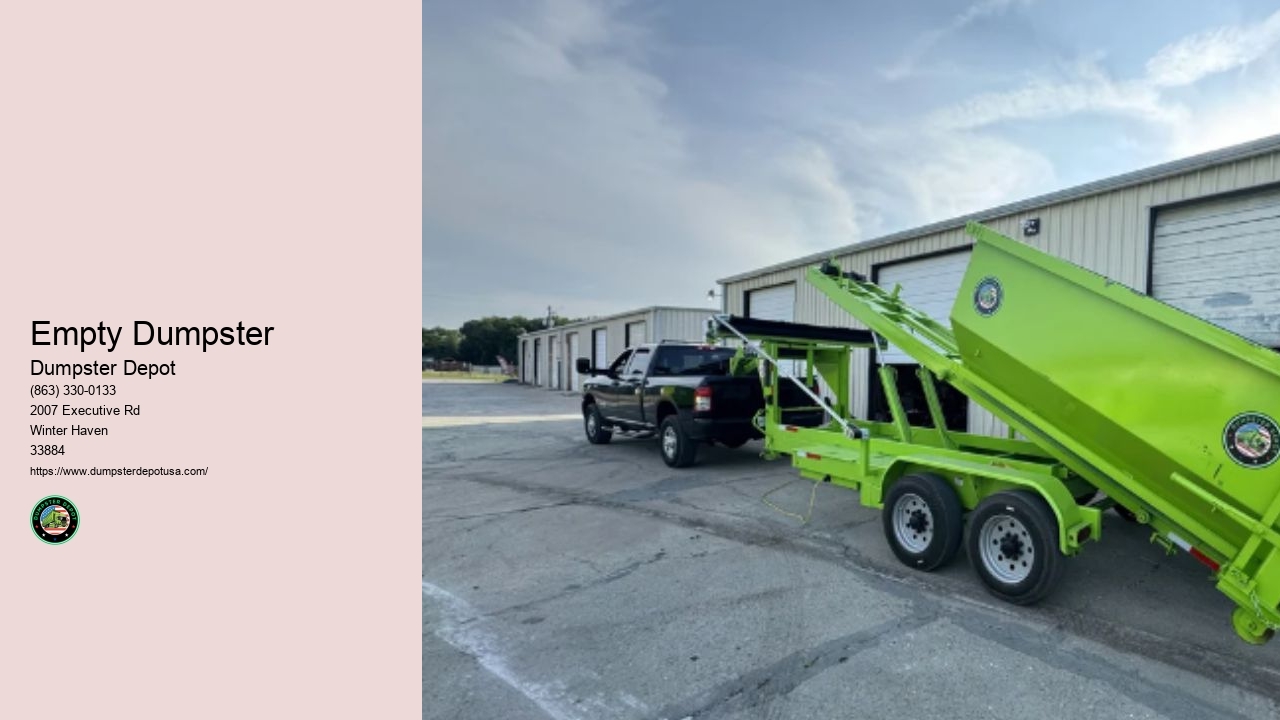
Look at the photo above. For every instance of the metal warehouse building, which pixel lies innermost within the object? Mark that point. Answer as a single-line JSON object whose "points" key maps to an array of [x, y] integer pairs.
{"points": [[1201, 234], [547, 356]]}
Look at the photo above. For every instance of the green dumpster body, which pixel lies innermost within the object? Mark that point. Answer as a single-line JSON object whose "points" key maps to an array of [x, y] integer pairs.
{"points": [[1165, 412], [1171, 416]]}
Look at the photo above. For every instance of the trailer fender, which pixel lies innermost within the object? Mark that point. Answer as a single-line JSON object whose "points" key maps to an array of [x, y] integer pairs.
{"points": [[1076, 524]]}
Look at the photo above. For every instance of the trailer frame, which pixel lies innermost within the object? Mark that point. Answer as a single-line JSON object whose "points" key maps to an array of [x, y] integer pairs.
{"points": [[1038, 457]]}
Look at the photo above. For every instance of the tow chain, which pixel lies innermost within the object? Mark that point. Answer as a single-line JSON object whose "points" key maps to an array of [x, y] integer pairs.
{"points": [[1257, 610], [804, 519]]}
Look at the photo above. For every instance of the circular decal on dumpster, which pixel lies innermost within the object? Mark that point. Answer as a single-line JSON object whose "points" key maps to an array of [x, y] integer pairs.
{"points": [[987, 296], [55, 520], [1252, 440]]}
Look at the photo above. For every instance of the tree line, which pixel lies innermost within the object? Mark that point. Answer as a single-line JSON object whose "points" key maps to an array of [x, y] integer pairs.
{"points": [[480, 342]]}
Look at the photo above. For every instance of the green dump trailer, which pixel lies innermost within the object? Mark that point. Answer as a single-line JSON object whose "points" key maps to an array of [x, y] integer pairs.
{"points": [[1172, 418]]}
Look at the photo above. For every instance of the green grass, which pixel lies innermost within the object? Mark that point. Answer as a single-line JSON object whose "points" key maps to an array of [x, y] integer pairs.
{"points": [[439, 375]]}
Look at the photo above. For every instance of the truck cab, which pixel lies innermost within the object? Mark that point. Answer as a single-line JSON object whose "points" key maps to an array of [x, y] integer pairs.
{"points": [[685, 393]]}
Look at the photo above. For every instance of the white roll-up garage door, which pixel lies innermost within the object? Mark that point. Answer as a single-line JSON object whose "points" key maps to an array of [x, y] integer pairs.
{"points": [[555, 365], [600, 347], [774, 303], [573, 363], [929, 285], [1220, 260], [636, 333]]}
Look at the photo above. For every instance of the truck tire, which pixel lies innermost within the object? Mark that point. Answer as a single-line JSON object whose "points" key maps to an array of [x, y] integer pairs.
{"points": [[1013, 545], [593, 424], [923, 521], [678, 450]]}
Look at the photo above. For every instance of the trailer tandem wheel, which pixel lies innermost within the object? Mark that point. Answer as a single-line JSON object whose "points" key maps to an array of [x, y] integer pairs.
{"points": [[1013, 545], [923, 521]]}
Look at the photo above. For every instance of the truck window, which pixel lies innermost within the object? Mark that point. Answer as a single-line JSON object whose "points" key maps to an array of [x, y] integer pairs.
{"points": [[639, 362], [621, 362], [677, 360]]}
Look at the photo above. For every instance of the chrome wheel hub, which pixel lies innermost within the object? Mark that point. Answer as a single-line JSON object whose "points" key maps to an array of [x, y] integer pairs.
{"points": [[669, 442], [1006, 549], [912, 523]]}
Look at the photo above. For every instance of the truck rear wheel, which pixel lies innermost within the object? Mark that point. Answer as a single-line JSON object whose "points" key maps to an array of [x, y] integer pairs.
{"points": [[677, 449], [593, 424], [1013, 545], [923, 521]]}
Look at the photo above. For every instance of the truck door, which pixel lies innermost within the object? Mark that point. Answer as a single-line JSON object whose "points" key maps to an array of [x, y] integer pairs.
{"points": [[606, 393], [631, 386]]}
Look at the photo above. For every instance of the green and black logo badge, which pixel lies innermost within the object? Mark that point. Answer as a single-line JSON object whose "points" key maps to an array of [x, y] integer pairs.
{"points": [[55, 519], [1252, 440], [987, 296]]}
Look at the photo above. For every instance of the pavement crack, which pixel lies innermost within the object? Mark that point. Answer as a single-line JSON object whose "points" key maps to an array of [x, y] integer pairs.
{"points": [[759, 686], [916, 587], [1051, 649], [576, 588], [499, 513]]}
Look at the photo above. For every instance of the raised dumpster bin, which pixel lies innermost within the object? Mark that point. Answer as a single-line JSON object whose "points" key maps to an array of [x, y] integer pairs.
{"points": [[1171, 417]]}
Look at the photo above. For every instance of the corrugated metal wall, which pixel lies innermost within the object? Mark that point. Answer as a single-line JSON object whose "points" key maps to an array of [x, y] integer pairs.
{"points": [[680, 324], [664, 323], [1107, 233], [618, 333]]}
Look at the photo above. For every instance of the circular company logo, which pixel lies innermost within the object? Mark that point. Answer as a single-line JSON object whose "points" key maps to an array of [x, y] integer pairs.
{"points": [[55, 519], [1252, 440], [987, 296]]}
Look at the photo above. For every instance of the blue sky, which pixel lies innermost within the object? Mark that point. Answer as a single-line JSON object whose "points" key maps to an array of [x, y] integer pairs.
{"points": [[602, 156]]}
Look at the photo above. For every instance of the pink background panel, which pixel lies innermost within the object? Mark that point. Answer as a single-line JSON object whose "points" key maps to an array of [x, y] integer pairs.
{"points": [[208, 164]]}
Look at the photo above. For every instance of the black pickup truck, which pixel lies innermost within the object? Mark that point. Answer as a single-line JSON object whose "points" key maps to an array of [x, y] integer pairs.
{"points": [[685, 393]]}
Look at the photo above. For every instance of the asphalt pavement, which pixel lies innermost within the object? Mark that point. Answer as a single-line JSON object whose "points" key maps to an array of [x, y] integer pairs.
{"points": [[569, 581]]}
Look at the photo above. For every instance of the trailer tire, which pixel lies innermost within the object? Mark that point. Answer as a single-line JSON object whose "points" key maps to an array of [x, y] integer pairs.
{"points": [[678, 450], [593, 424], [923, 521], [1013, 545]]}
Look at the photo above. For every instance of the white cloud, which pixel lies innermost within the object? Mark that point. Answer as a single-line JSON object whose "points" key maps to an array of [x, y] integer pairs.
{"points": [[1213, 51], [557, 169], [953, 162], [1252, 114], [1152, 97], [926, 41], [816, 208], [968, 172], [923, 174], [1087, 88], [551, 150]]}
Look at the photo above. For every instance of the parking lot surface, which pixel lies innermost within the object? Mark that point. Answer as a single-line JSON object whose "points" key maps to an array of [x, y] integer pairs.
{"points": [[569, 581]]}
